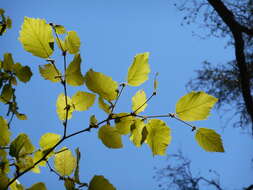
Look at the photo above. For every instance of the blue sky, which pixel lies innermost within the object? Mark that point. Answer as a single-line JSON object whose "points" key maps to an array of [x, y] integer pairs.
{"points": [[112, 32]]}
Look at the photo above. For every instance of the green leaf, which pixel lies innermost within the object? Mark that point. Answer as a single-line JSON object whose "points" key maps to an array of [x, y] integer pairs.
{"points": [[48, 140], [69, 184], [4, 181], [24, 74], [21, 116], [6, 94], [38, 155], [59, 29], [61, 44], [4, 132], [195, 106], [155, 82], [61, 107], [8, 62], [137, 132], [159, 136], [93, 120], [38, 186], [74, 76], [122, 123], [138, 100], [36, 37], [78, 157], [24, 163], [139, 70], [64, 162], [4, 163], [101, 84], [8, 22], [21, 146], [100, 183], [105, 107], [83, 100], [49, 72], [110, 136], [2, 11], [72, 42], [209, 140], [16, 186]]}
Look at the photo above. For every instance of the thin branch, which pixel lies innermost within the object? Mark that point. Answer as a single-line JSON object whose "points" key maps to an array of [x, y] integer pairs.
{"points": [[52, 170], [153, 94], [119, 94]]}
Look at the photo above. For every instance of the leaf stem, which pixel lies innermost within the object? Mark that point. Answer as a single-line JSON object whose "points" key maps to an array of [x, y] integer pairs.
{"points": [[120, 92], [153, 94]]}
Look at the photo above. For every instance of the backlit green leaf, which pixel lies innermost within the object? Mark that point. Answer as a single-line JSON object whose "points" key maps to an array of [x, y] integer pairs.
{"points": [[8, 62], [21, 146], [48, 140], [83, 100], [101, 84], [16, 186], [195, 106], [100, 183], [78, 157], [4, 132], [69, 184], [105, 107], [8, 22], [61, 44], [4, 181], [49, 72], [6, 94], [64, 162], [209, 140], [159, 136], [123, 124], [110, 136], [72, 42], [38, 186], [137, 132], [61, 108], [24, 74], [93, 120], [59, 29], [4, 163], [138, 100], [24, 163], [74, 76], [139, 70], [21, 116], [36, 37]]}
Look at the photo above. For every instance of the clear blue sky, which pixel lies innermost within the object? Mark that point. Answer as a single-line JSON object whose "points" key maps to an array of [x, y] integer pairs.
{"points": [[112, 32]]}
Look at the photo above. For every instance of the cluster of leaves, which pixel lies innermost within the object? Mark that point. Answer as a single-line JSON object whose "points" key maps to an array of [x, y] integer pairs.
{"points": [[38, 38], [4, 23]]}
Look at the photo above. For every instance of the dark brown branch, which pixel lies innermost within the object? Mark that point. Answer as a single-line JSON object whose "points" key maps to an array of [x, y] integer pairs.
{"points": [[237, 32]]}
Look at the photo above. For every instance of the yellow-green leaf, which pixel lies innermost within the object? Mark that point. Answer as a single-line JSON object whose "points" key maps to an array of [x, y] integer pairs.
{"points": [[38, 186], [195, 106], [4, 132], [16, 186], [139, 70], [69, 184], [100, 183], [110, 136], [4, 163], [36, 37], [93, 120], [8, 62], [101, 84], [61, 108], [8, 22], [49, 72], [21, 146], [74, 76], [61, 44], [24, 74], [2, 11], [122, 123], [4, 181], [83, 100], [138, 101], [21, 116], [209, 140], [24, 163], [159, 136], [105, 107], [59, 29], [137, 132], [72, 42], [64, 162], [6, 94], [48, 140], [155, 82]]}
